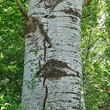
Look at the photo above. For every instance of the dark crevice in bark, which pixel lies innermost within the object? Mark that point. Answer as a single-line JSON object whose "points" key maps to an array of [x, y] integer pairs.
{"points": [[44, 33], [65, 101], [76, 108], [46, 95], [44, 50], [70, 93], [44, 81], [77, 98], [50, 16]]}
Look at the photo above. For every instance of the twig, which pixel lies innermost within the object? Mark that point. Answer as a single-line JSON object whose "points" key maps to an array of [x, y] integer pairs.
{"points": [[24, 14], [99, 58], [89, 45], [86, 3], [95, 41]]}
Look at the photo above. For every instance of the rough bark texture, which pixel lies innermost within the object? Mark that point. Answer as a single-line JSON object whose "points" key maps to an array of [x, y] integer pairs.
{"points": [[52, 74]]}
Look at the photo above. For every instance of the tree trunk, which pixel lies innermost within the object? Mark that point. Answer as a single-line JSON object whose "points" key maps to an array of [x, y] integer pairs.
{"points": [[52, 66]]}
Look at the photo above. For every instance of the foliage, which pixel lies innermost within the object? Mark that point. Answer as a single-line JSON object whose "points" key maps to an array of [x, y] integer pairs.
{"points": [[95, 45], [95, 41], [11, 51], [11, 105]]}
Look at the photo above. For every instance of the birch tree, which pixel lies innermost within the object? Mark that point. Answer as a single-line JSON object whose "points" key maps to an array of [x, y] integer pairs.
{"points": [[52, 65]]}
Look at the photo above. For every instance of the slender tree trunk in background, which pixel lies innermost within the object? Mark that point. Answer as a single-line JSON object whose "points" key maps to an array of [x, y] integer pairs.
{"points": [[52, 53]]}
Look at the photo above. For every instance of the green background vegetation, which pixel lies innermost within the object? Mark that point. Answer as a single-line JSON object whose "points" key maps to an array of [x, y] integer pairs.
{"points": [[95, 52]]}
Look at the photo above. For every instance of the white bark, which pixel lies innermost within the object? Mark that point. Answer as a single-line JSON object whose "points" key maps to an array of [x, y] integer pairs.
{"points": [[62, 24]]}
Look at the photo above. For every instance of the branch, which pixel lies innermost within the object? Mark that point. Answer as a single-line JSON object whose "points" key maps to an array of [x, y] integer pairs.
{"points": [[100, 57], [94, 42], [86, 3], [87, 16], [89, 44], [24, 14]]}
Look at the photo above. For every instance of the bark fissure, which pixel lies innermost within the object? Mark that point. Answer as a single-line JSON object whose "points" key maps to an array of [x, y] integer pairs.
{"points": [[70, 93], [46, 95], [44, 49], [44, 33]]}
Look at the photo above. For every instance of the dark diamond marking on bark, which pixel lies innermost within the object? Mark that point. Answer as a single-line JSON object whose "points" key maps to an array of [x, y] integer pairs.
{"points": [[54, 69]]}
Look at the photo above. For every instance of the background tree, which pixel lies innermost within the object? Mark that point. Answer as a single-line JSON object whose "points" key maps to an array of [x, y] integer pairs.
{"points": [[95, 55], [11, 52]]}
